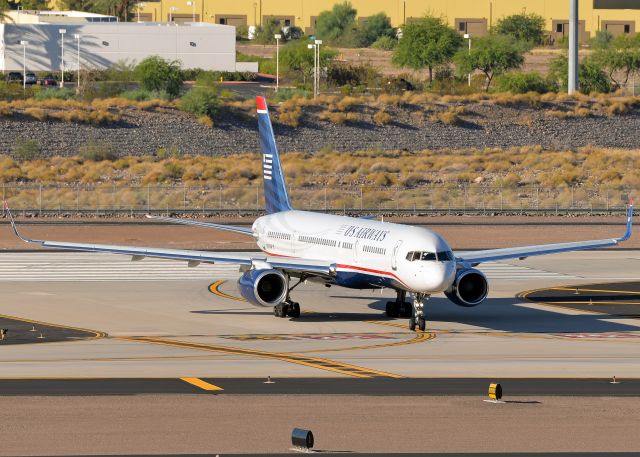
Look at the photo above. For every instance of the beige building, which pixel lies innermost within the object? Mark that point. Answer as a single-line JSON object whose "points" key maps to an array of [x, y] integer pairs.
{"points": [[467, 16]]}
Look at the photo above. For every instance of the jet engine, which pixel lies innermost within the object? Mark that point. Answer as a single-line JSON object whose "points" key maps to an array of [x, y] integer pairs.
{"points": [[265, 287], [470, 288]]}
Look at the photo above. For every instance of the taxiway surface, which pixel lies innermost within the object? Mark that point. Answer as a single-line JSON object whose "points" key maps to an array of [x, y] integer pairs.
{"points": [[163, 319]]}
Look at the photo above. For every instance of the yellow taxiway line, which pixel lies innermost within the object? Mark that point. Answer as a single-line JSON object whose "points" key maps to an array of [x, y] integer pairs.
{"points": [[204, 385], [313, 362]]}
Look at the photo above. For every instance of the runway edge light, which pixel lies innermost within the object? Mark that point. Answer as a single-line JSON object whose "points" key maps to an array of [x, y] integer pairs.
{"points": [[302, 440]]}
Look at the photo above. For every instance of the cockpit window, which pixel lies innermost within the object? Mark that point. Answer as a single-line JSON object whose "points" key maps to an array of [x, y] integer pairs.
{"points": [[442, 256], [428, 256]]}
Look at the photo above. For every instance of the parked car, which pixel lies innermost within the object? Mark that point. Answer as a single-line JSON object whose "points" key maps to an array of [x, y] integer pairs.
{"points": [[30, 78], [14, 77], [48, 80]]}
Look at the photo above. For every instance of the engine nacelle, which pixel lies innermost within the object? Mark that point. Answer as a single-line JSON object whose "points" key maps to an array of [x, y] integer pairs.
{"points": [[264, 287], [470, 288]]}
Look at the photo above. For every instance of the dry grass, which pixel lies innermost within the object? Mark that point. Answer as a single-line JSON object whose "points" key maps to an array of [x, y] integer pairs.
{"points": [[450, 116], [381, 117], [290, 115], [495, 167], [206, 121], [338, 118]]}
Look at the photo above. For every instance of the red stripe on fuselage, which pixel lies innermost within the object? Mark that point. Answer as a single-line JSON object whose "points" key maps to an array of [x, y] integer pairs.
{"points": [[348, 267]]}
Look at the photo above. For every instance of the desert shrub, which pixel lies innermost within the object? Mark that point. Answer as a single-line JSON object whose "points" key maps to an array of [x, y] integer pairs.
{"points": [[290, 117], [26, 149], [36, 113], [288, 93], [63, 93], [201, 101], [96, 151], [521, 83], [172, 170], [341, 74], [381, 117], [385, 43], [448, 117], [15, 91], [338, 118], [158, 74], [206, 121], [138, 95]]}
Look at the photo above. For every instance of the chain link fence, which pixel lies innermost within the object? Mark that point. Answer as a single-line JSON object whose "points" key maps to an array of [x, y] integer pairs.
{"points": [[112, 199]]}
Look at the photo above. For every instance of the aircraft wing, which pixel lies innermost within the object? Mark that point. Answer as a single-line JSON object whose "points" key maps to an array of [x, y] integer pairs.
{"points": [[228, 228], [300, 266], [522, 252]]}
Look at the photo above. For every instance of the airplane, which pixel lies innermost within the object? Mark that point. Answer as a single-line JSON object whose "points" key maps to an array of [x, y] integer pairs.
{"points": [[357, 253]]}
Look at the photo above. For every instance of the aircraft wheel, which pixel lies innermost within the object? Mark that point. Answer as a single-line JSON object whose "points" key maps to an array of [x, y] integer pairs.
{"points": [[422, 324], [406, 309], [294, 310], [412, 324], [389, 309]]}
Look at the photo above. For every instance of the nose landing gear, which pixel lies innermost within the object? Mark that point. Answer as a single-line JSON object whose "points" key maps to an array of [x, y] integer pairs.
{"points": [[418, 320]]}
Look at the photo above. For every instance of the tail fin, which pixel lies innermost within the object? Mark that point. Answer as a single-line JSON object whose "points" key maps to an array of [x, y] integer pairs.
{"points": [[275, 191]]}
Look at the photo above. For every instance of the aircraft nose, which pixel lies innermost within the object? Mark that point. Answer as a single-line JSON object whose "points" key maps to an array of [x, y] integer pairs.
{"points": [[439, 276]]}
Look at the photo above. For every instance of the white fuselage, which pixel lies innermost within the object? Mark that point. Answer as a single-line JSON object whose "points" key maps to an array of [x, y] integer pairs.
{"points": [[366, 253]]}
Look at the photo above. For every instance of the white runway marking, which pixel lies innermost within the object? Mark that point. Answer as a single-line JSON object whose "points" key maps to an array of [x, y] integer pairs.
{"points": [[496, 270], [52, 266], [103, 267]]}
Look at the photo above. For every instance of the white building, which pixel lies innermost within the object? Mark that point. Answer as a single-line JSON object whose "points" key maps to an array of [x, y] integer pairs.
{"points": [[195, 45]]}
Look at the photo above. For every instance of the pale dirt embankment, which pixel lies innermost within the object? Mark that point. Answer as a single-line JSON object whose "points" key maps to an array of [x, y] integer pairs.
{"points": [[464, 232]]}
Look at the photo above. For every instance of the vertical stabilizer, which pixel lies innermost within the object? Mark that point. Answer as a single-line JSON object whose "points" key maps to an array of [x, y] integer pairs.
{"points": [[276, 198]]}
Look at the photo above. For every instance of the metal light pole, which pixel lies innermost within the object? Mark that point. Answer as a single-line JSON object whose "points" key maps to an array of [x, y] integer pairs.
{"points": [[468, 37], [192, 4], [62, 32], [277, 36], [77, 37], [171, 10], [24, 64], [315, 73], [573, 47], [318, 43]]}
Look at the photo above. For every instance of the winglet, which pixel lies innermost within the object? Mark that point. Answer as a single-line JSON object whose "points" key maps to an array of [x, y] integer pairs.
{"points": [[627, 233], [13, 225]]}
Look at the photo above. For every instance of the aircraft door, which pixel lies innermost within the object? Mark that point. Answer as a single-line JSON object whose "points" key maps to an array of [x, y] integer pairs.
{"points": [[355, 251], [394, 255]]}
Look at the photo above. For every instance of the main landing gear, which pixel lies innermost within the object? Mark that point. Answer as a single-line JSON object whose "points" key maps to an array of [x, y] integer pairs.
{"points": [[417, 320], [399, 308], [289, 308]]}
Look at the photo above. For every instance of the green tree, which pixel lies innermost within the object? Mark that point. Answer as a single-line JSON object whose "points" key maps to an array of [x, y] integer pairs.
{"points": [[591, 76], [427, 43], [375, 27], [39, 5], [492, 55], [158, 74], [621, 56], [335, 25], [524, 27], [266, 32], [297, 58]]}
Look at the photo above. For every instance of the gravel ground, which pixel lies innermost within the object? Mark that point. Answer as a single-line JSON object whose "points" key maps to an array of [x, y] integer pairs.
{"points": [[153, 424], [482, 126]]}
